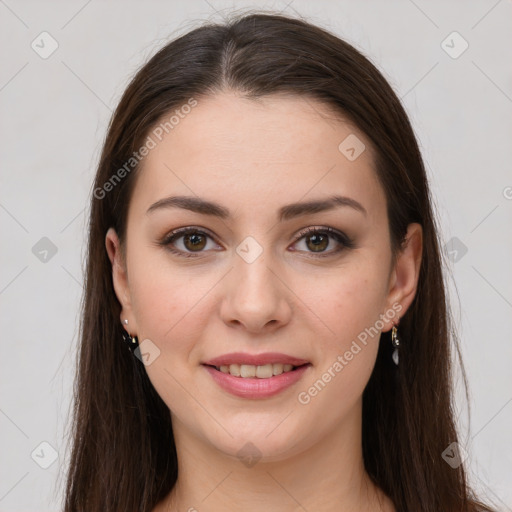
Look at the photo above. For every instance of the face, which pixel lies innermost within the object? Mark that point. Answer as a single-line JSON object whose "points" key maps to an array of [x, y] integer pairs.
{"points": [[252, 275]]}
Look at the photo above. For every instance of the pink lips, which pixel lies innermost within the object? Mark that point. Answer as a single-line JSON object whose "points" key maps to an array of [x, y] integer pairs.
{"points": [[257, 360], [254, 388]]}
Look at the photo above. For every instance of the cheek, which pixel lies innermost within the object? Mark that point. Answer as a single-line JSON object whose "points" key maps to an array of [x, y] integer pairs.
{"points": [[173, 306], [348, 301], [167, 304], [350, 305]]}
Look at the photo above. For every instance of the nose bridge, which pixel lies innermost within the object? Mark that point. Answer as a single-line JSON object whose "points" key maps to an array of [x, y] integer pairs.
{"points": [[252, 274], [256, 275], [255, 296]]}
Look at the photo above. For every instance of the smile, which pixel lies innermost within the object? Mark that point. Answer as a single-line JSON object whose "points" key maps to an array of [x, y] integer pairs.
{"points": [[250, 371], [256, 382]]}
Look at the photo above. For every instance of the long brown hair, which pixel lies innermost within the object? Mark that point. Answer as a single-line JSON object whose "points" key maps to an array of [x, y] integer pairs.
{"points": [[123, 455]]}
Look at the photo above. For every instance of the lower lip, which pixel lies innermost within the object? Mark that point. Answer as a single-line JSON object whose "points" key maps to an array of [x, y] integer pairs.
{"points": [[253, 387]]}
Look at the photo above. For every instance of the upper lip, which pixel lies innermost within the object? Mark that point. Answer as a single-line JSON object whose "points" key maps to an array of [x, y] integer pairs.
{"points": [[255, 359]]}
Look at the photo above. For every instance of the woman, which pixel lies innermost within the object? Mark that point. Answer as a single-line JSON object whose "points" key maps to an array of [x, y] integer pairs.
{"points": [[264, 321]]}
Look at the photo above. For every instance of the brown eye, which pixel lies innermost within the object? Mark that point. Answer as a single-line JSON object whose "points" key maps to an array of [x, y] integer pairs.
{"points": [[317, 242], [194, 242], [188, 242]]}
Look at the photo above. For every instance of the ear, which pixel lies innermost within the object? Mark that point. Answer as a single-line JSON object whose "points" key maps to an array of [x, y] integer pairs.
{"points": [[120, 280], [403, 281]]}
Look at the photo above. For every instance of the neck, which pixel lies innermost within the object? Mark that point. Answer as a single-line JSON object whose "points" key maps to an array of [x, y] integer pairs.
{"points": [[328, 476]]}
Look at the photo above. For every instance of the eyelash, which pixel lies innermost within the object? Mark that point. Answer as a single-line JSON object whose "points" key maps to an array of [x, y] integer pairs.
{"points": [[340, 237]]}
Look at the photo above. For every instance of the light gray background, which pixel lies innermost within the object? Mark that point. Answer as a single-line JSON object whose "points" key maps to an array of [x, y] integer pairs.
{"points": [[54, 113]]}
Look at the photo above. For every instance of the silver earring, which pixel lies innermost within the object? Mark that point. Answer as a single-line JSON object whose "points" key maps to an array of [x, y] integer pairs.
{"points": [[132, 342], [396, 344]]}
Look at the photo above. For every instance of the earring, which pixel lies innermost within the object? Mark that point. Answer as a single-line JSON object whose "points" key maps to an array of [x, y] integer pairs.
{"points": [[396, 343], [131, 341]]}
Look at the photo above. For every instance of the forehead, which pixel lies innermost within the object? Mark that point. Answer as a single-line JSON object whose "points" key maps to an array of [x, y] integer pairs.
{"points": [[256, 152]]}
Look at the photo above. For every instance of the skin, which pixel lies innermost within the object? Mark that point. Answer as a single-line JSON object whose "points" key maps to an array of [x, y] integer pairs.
{"points": [[253, 157]]}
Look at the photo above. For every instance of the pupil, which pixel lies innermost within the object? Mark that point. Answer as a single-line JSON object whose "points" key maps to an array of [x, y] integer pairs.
{"points": [[195, 240], [316, 239]]}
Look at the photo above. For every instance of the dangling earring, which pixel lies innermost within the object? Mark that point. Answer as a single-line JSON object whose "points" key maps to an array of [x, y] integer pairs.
{"points": [[396, 343], [131, 341]]}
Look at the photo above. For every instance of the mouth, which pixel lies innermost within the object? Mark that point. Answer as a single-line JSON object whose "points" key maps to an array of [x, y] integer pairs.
{"points": [[250, 371], [256, 376]]}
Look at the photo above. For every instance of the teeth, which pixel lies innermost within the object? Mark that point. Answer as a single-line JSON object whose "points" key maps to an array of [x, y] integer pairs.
{"points": [[247, 370], [250, 371], [277, 369], [234, 369], [264, 372]]}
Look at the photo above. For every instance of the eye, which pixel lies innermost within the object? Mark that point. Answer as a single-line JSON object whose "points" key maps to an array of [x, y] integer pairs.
{"points": [[186, 241], [190, 242], [317, 240]]}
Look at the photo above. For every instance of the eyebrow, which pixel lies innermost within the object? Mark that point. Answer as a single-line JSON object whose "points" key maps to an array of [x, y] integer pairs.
{"points": [[287, 212]]}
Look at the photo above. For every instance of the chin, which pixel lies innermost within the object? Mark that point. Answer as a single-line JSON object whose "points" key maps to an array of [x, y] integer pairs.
{"points": [[268, 443]]}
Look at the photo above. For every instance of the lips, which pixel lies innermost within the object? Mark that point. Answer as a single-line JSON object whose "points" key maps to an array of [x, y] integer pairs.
{"points": [[264, 386], [255, 359]]}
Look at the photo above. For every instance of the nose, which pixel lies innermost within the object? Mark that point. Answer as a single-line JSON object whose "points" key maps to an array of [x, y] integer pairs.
{"points": [[256, 297]]}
